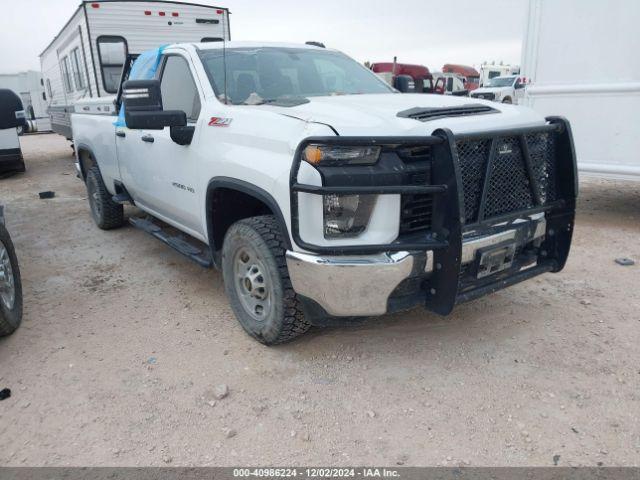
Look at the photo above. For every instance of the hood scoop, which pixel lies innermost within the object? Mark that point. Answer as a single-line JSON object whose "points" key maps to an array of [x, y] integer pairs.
{"points": [[426, 114]]}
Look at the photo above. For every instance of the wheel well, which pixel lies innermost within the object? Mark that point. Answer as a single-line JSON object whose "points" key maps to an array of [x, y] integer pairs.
{"points": [[86, 160], [226, 205]]}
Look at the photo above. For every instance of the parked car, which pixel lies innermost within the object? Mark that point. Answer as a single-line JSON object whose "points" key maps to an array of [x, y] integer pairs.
{"points": [[320, 192], [10, 284], [492, 70], [509, 89], [12, 117]]}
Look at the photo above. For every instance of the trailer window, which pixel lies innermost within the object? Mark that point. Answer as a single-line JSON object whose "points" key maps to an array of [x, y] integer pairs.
{"points": [[66, 76], [75, 67], [49, 88], [179, 91], [112, 52]]}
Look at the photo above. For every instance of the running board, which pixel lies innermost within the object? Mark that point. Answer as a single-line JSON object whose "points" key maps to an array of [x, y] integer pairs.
{"points": [[189, 248]]}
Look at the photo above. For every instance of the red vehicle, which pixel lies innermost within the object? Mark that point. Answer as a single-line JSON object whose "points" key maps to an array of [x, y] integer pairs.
{"points": [[470, 76], [420, 74]]}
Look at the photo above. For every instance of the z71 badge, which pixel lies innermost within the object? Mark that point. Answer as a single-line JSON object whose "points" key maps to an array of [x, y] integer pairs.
{"points": [[219, 122]]}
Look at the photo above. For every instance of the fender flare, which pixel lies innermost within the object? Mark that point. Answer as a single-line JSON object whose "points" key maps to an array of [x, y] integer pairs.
{"points": [[84, 147], [248, 189]]}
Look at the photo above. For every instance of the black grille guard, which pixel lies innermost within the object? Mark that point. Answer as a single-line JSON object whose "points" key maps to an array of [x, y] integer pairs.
{"points": [[449, 222]]}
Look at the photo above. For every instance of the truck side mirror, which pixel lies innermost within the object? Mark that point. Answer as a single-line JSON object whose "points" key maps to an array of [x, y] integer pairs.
{"points": [[11, 111], [404, 83], [143, 107]]}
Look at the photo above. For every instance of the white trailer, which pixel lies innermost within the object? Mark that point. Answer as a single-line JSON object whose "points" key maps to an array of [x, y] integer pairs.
{"points": [[583, 63], [86, 57], [30, 87]]}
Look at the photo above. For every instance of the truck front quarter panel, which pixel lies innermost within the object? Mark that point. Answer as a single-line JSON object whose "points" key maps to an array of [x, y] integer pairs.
{"points": [[256, 147]]}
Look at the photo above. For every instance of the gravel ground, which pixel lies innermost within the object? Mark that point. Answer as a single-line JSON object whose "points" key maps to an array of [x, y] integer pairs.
{"points": [[124, 343]]}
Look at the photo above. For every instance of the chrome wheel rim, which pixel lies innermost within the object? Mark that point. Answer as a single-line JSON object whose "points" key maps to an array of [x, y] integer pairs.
{"points": [[251, 283], [7, 280]]}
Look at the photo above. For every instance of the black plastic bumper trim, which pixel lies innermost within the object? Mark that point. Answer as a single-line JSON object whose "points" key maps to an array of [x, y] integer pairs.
{"points": [[506, 282]]}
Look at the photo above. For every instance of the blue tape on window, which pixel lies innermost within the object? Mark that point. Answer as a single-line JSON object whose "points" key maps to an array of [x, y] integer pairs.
{"points": [[144, 68]]}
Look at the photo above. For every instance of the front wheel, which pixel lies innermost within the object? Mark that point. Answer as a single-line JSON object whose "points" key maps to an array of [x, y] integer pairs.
{"points": [[10, 286], [257, 281], [507, 100]]}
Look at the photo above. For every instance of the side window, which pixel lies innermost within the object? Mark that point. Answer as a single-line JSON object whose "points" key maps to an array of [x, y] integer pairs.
{"points": [[66, 76], [450, 84], [112, 52], [75, 67], [179, 91]]}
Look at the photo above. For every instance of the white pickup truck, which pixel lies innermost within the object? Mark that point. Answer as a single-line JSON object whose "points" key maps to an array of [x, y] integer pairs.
{"points": [[509, 89], [322, 193]]}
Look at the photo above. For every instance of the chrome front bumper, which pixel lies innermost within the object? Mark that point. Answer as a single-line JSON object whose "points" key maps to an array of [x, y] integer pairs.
{"points": [[361, 285]]}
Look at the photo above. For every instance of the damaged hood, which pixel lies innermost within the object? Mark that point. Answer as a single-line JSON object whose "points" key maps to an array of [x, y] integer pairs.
{"points": [[377, 114]]}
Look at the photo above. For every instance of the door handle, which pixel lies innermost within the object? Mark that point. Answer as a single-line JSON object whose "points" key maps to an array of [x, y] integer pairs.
{"points": [[147, 138], [121, 134]]}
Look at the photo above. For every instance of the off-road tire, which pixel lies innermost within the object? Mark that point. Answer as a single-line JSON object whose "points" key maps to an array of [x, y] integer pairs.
{"points": [[285, 320], [10, 319], [105, 212], [507, 100]]}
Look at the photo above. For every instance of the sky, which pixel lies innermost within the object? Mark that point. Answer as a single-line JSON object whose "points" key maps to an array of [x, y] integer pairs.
{"points": [[427, 32]]}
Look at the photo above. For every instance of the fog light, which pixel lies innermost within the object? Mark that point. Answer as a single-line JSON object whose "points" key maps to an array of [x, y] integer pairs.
{"points": [[347, 216]]}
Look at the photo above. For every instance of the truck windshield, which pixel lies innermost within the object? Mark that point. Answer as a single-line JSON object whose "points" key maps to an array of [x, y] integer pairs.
{"points": [[500, 82], [286, 75]]}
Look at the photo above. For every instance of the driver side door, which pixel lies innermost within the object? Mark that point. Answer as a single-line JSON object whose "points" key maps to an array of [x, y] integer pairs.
{"points": [[163, 173]]}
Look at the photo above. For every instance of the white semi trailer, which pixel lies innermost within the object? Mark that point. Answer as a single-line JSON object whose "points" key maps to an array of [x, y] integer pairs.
{"points": [[583, 63]]}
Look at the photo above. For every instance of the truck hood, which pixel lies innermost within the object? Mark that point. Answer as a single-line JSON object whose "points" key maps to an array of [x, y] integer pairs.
{"points": [[376, 114]]}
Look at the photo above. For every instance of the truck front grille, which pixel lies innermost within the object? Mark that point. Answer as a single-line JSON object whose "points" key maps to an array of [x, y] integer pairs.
{"points": [[416, 209], [509, 187]]}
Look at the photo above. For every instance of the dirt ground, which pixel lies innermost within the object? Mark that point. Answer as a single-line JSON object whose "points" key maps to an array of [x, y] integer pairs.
{"points": [[124, 341]]}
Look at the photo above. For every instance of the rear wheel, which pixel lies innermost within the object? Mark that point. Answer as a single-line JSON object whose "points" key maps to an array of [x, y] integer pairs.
{"points": [[10, 286], [105, 212], [257, 281]]}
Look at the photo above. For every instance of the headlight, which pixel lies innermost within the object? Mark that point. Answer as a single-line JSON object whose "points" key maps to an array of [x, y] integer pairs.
{"points": [[346, 216], [334, 155]]}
